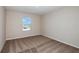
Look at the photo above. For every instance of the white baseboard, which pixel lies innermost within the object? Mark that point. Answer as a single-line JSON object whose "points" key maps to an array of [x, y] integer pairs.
{"points": [[19, 37], [61, 41]]}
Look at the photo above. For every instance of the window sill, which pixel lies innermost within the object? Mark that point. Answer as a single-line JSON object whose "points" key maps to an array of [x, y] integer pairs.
{"points": [[26, 29]]}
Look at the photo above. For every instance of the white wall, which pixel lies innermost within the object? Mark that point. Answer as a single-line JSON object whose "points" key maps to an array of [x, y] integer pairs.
{"points": [[2, 28], [62, 25], [14, 25]]}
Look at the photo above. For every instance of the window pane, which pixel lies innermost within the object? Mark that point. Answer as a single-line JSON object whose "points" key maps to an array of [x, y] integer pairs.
{"points": [[26, 23]]}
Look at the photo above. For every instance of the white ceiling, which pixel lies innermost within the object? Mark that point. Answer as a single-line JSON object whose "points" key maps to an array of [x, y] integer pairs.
{"points": [[40, 10]]}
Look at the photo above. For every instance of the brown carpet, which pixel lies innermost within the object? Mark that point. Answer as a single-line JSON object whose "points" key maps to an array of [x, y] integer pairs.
{"points": [[37, 44]]}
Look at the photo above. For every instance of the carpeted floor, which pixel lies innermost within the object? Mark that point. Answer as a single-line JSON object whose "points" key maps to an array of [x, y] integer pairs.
{"points": [[37, 44]]}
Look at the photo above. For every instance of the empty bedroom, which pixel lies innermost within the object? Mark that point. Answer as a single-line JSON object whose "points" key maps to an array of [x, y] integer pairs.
{"points": [[39, 29]]}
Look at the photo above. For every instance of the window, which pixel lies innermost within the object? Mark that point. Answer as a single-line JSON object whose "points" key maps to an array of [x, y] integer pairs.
{"points": [[27, 22]]}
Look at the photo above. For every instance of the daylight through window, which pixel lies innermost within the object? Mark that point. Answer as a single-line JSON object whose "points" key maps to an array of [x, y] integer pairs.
{"points": [[27, 22]]}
